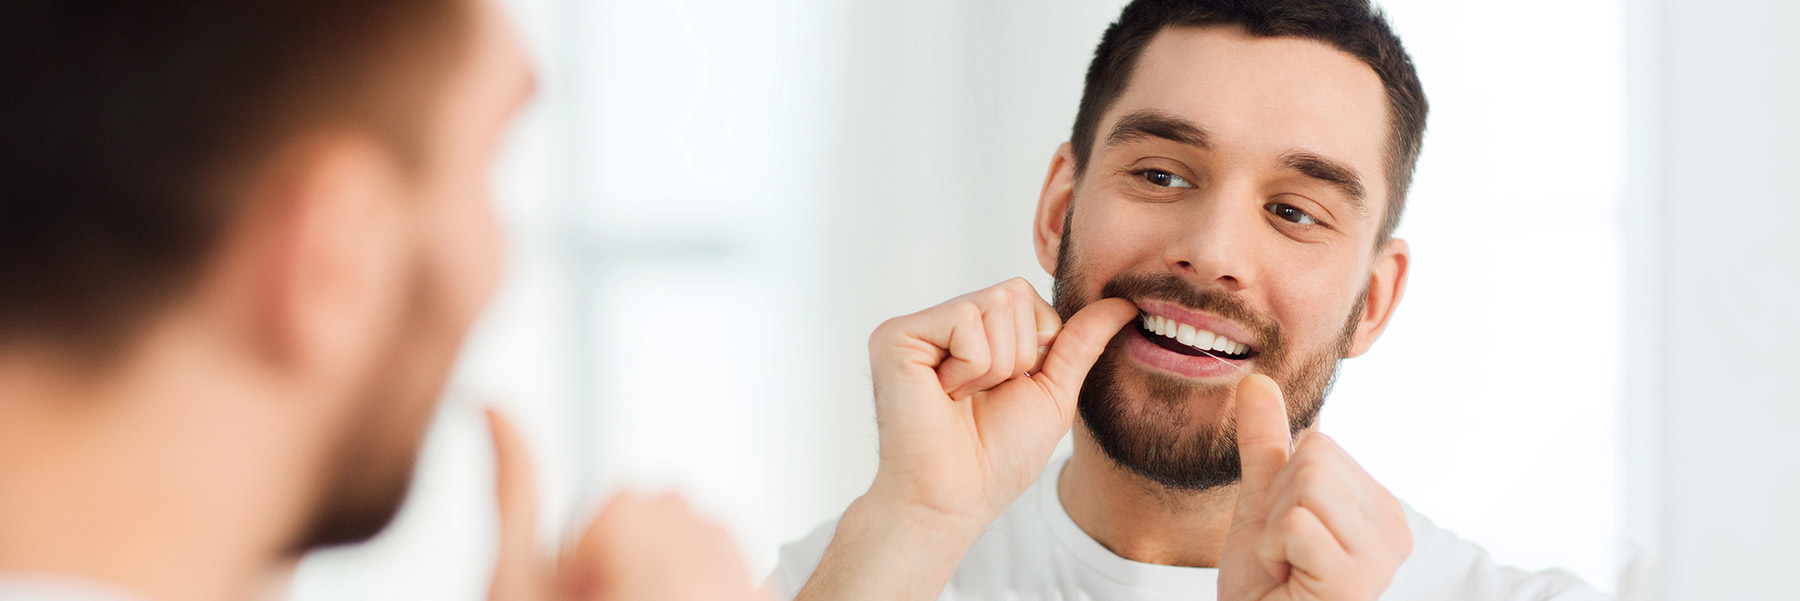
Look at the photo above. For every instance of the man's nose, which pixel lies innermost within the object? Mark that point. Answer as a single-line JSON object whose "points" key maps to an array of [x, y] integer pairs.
{"points": [[1213, 245]]}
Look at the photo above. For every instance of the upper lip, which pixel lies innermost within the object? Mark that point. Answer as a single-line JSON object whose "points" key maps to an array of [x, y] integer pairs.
{"points": [[1201, 321]]}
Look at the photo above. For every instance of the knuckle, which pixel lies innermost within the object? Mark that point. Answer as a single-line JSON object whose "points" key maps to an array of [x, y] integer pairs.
{"points": [[1310, 477], [997, 296], [885, 330], [1020, 285], [1288, 521], [1396, 515], [980, 363], [967, 311]]}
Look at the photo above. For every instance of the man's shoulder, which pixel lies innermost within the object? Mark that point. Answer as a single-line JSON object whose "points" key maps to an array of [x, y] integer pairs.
{"points": [[1446, 566]]}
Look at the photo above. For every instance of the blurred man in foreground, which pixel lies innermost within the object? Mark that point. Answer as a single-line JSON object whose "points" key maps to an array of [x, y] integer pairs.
{"points": [[1220, 227], [240, 244]]}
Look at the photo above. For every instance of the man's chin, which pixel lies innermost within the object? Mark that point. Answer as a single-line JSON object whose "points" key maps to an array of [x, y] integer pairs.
{"points": [[1170, 430]]}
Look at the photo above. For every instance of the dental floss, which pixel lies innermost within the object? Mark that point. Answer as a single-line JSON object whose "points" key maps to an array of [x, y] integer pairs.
{"points": [[1233, 365]]}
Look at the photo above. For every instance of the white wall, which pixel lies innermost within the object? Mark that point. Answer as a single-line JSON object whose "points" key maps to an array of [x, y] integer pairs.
{"points": [[1490, 404], [1716, 482]]}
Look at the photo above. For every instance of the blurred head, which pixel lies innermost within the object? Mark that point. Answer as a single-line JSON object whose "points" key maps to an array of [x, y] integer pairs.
{"points": [[303, 182], [1237, 169]]}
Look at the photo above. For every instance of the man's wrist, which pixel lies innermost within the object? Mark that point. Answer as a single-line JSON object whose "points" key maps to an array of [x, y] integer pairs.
{"points": [[888, 548], [911, 520]]}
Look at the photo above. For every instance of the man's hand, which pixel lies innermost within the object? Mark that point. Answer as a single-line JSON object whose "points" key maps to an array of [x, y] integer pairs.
{"points": [[636, 549], [1310, 523], [971, 397]]}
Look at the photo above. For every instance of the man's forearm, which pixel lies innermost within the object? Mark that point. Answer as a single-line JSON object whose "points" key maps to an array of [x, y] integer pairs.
{"points": [[890, 551]]}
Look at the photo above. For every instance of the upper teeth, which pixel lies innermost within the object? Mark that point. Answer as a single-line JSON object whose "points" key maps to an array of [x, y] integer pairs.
{"points": [[1191, 336]]}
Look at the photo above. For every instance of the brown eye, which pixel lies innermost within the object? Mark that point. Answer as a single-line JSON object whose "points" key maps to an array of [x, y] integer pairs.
{"points": [[1289, 213], [1164, 179]]}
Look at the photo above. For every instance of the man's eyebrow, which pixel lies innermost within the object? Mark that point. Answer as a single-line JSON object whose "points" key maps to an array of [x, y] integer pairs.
{"points": [[1157, 124], [1330, 171]]}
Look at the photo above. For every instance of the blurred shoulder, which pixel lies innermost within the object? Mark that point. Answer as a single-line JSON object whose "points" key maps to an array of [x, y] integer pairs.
{"points": [[1445, 566]]}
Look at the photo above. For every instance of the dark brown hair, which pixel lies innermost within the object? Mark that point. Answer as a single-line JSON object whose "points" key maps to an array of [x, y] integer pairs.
{"points": [[124, 125], [1352, 26]]}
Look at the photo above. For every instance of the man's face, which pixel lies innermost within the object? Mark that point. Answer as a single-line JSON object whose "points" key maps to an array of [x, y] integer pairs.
{"points": [[456, 256], [1234, 192]]}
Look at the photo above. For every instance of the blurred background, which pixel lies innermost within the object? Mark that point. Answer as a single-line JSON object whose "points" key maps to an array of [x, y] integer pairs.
{"points": [[711, 203]]}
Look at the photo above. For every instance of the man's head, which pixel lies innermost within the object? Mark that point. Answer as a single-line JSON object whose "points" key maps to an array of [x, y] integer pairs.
{"points": [[1237, 168], [298, 185]]}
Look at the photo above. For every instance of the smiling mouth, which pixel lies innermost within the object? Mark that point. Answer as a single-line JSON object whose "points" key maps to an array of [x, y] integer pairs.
{"points": [[1187, 340]]}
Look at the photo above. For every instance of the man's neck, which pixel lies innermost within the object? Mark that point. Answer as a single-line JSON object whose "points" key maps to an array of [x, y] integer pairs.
{"points": [[1138, 519], [158, 482]]}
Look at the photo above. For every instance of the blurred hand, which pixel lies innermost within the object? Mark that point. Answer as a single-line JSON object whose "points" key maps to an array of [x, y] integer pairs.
{"points": [[971, 396], [637, 548], [1310, 523]]}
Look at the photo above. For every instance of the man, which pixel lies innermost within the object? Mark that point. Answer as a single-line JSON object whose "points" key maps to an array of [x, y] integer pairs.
{"points": [[240, 243], [1220, 229]]}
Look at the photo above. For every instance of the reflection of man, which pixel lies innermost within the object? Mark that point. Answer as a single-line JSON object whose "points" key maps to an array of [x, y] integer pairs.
{"points": [[240, 243], [1225, 206]]}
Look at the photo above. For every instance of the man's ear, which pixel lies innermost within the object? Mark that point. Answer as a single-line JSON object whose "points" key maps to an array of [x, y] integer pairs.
{"points": [[329, 264], [1053, 207], [1387, 283]]}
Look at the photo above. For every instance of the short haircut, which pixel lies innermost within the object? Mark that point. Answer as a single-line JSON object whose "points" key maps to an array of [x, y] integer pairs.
{"points": [[1352, 26], [126, 129]]}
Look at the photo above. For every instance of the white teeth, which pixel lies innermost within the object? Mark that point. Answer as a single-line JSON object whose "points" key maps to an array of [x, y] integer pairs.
{"points": [[1192, 336]]}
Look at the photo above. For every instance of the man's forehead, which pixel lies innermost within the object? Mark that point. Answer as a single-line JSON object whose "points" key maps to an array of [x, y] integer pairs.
{"points": [[1265, 96]]}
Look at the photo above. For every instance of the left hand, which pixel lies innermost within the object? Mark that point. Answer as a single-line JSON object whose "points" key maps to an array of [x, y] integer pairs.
{"points": [[1310, 523]]}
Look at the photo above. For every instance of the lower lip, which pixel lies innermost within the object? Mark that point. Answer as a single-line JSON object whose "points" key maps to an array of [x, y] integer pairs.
{"points": [[1190, 366]]}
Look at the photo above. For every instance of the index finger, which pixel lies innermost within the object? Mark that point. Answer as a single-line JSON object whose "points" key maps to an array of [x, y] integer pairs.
{"points": [[516, 567]]}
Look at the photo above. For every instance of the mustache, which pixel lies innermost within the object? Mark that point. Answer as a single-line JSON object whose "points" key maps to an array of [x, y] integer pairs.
{"points": [[1169, 288]]}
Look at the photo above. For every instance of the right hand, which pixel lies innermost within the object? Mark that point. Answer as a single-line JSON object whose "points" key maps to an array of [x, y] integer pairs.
{"points": [[637, 549], [971, 396]]}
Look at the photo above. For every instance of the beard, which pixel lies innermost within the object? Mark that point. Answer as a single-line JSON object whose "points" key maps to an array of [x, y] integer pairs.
{"points": [[377, 445], [1152, 433]]}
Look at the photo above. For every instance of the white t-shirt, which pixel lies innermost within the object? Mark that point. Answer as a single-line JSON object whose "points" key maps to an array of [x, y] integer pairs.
{"points": [[1035, 551]]}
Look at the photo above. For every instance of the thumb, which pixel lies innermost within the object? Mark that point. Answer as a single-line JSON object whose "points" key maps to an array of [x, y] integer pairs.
{"points": [[1262, 434], [1079, 345], [516, 569]]}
